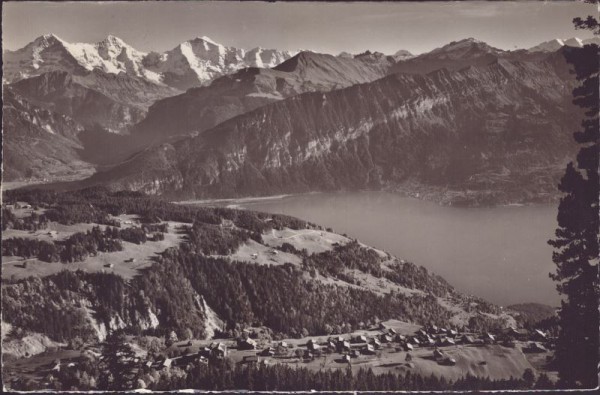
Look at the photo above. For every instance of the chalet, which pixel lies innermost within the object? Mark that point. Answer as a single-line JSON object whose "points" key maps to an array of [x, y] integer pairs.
{"points": [[218, 351], [534, 347], [385, 338], [438, 354], [56, 367], [308, 355], [346, 358], [360, 339], [52, 233], [189, 358], [399, 338], [339, 339], [331, 346], [509, 343], [449, 342], [246, 344], [391, 331], [344, 346], [519, 334], [368, 349], [415, 341], [408, 347], [376, 343], [204, 351], [467, 339], [382, 326], [250, 359], [227, 224], [421, 332], [166, 363], [452, 332], [488, 338], [354, 354], [312, 345], [109, 265], [268, 352], [254, 256], [448, 361], [130, 260], [283, 344]]}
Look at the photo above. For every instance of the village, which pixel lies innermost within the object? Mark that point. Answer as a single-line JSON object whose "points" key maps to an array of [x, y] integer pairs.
{"points": [[392, 345], [388, 346]]}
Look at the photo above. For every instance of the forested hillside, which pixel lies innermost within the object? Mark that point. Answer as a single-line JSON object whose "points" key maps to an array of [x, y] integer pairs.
{"points": [[172, 293]]}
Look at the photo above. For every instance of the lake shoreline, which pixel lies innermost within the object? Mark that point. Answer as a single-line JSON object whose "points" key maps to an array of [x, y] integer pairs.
{"points": [[499, 253]]}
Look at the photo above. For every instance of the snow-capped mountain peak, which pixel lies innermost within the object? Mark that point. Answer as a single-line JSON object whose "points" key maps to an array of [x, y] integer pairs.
{"points": [[208, 40], [47, 39], [557, 43], [192, 63], [574, 42]]}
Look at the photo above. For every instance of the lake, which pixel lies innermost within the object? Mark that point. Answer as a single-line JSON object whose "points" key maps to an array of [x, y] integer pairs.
{"points": [[497, 253]]}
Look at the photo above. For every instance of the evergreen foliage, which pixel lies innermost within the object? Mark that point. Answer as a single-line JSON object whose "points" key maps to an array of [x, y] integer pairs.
{"points": [[576, 242]]}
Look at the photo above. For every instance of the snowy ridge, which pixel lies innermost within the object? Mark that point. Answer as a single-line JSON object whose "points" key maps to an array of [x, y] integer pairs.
{"points": [[557, 43], [192, 63]]}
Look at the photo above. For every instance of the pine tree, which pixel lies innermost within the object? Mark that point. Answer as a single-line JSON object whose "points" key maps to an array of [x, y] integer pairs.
{"points": [[119, 369], [576, 242]]}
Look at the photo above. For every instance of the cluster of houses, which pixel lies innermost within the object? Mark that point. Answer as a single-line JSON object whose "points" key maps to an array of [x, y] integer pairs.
{"points": [[272, 252], [216, 350], [353, 347]]}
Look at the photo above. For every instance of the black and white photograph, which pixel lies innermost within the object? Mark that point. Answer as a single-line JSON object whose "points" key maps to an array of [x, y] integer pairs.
{"points": [[300, 196]]}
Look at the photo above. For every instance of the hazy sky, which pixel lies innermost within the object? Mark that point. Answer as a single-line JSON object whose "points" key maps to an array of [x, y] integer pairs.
{"points": [[321, 27]]}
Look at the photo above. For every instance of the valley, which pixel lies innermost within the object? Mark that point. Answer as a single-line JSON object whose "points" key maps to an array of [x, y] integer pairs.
{"points": [[220, 267]]}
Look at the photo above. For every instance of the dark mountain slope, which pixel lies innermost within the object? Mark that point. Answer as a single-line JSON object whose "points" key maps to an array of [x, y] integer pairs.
{"points": [[202, 108], [453, 56], [502, 128], [38, 143], [61, 92]]}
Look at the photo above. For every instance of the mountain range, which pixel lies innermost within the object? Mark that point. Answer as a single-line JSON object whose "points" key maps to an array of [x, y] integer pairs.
{"points": [[466, 117], [191, 63], [503, 128], [553, 45]]}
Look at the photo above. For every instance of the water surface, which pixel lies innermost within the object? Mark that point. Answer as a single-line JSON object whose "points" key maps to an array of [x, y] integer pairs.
{"points": [[497, 253]]}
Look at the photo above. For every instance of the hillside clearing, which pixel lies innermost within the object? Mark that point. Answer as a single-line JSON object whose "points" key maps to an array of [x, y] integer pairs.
{"points": [[126, 263]]}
